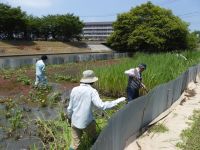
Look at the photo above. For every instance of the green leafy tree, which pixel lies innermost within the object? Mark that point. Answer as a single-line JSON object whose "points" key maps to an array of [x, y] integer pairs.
{"points": [[197, 34], [48, 26], [70, 27], [150, 28], [61, 27], [33, 25], [12, 21]]}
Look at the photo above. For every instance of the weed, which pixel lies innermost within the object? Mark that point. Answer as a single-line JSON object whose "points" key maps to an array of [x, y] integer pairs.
{"points": [[59, 77], [40, 94], [24, 79], [16, 119], [74, 80], [54, 97], [158, 128], [191, 136], [6, 73], [55, 134], [9, 104]]}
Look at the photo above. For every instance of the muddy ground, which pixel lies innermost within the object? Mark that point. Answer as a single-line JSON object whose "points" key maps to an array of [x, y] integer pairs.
{"points": [[24, 108]]}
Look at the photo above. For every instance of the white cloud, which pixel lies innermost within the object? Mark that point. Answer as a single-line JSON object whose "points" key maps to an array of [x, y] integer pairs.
{"points": [[31, 3]]}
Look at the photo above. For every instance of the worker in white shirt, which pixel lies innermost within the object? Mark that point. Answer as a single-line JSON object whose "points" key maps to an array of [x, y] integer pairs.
{"points": [[134, 81], [82, 99], [40, 71]]}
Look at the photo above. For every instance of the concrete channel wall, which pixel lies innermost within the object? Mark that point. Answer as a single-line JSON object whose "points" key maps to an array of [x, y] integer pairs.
{"points": [[19, 61]]}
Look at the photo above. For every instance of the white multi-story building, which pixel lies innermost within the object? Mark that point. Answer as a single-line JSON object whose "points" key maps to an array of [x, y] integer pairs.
{"points": [[97, 31]]}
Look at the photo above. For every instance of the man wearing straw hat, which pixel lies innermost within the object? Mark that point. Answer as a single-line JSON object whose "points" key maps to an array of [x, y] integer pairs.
{"points": [[82, 98], [135, 81]]}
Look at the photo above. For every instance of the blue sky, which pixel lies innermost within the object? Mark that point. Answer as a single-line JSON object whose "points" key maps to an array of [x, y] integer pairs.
{"points": [[107, 10]]}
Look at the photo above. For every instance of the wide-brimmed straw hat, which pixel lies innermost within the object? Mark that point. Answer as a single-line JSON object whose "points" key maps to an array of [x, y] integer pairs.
{"points": [[88, 77]]}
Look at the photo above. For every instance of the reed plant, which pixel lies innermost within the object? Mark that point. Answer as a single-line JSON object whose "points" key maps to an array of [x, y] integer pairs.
{"points": [[161, 68]]}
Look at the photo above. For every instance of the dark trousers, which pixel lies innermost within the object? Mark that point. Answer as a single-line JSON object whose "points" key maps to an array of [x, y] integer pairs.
{"points": [[132, 93]]}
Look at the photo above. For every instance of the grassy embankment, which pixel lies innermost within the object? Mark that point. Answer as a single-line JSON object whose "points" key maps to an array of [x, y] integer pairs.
{"points": [[41, 47]]}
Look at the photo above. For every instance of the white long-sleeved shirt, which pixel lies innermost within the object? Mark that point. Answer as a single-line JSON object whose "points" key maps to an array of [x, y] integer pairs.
{"points": [[135, 78], [134, 72], [82, 98], [40, 67]]}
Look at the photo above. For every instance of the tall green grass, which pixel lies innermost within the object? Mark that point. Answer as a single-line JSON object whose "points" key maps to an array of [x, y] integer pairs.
{"points": [[161, 68]]}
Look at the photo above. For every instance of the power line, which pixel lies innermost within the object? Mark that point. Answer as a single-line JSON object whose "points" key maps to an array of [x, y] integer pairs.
{"points": [[168, 2], [190, 13], [190, 16]]}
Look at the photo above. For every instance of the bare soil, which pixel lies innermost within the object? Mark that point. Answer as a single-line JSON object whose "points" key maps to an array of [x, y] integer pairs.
{"points": [[41, 47], [12, 88]]}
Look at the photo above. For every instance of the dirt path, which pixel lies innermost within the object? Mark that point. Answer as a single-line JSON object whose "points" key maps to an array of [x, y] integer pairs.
{"points": [[176, 121]]}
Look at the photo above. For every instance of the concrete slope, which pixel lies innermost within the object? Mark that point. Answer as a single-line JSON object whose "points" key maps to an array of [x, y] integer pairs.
{"points": [[99, 48]]}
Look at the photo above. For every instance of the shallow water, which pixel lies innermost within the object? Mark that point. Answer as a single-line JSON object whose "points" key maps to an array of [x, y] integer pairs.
{"points": [[26, 136]]}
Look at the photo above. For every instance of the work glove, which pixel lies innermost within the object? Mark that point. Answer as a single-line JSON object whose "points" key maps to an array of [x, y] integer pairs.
{"points": [[121, 99], [143, 86]]}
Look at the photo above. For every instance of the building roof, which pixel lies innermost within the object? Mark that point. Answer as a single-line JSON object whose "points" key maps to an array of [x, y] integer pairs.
{"points": [[94, 23]]}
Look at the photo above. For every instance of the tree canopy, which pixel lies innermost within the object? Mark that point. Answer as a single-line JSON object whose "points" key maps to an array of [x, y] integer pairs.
{"points": [[197, 34], [150, 28], [16, 24], [12, 20]]}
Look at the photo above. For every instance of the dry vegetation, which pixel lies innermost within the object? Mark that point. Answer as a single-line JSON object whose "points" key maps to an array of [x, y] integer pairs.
{"points": [[39, 47]]}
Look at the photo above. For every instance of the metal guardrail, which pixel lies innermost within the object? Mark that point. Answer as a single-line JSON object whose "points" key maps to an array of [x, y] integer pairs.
{"points": [[129, 121]]}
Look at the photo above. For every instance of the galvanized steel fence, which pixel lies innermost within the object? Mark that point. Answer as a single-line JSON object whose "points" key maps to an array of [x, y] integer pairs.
{"points": [[139, 113]]}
